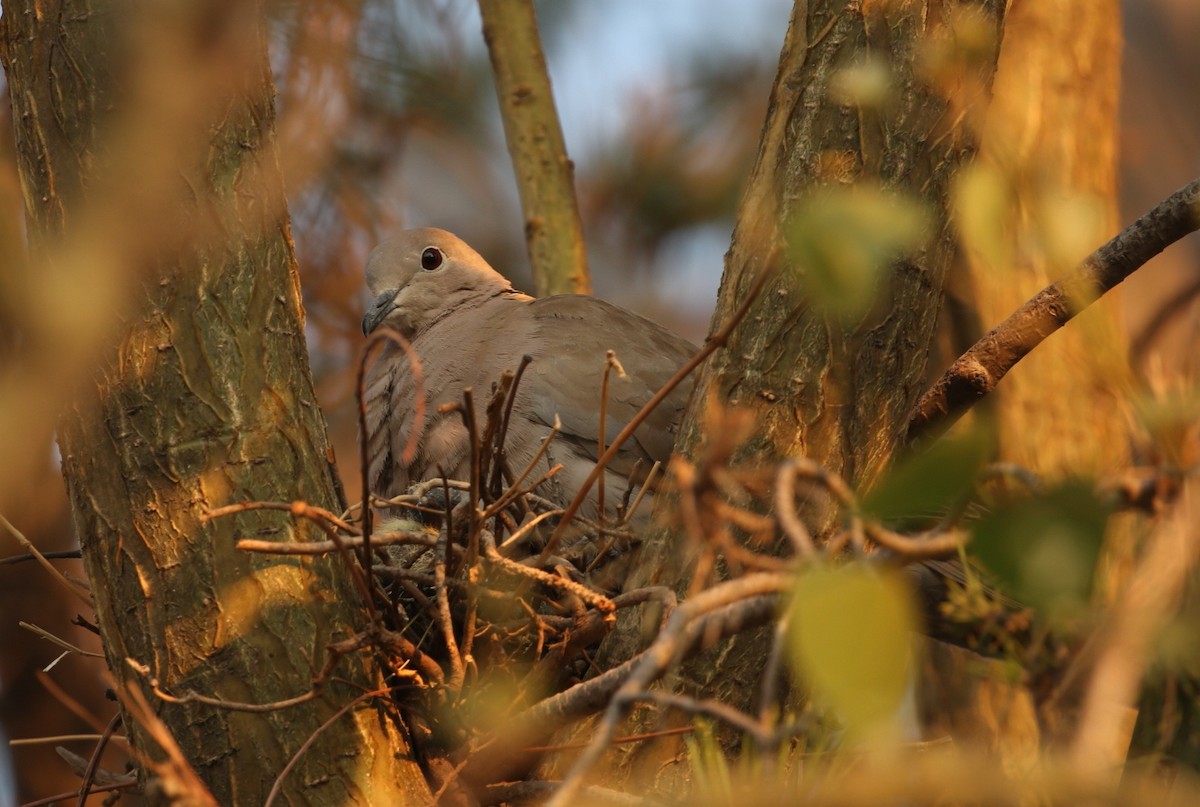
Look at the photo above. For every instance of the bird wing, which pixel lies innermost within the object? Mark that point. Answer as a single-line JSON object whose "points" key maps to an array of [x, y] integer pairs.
{"points": [[571, 336]]}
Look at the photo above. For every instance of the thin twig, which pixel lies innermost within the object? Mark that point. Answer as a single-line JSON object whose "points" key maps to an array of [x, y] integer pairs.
{"points": [[711, 345], [938, 543], [297, 508], [278, 785], [661, 654], [610, 363], [593, 695], [593, 598], [57, 797], [65, 738], [89, 773], [63, 643], [71, 586], [444, 619], [232, 706], [65, 554], [514, 490], [785, 510], [502, 434], [399, 538]]}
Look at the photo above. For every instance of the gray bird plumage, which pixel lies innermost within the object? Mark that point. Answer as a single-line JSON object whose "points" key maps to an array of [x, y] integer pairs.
{"points": [[468, 325]]}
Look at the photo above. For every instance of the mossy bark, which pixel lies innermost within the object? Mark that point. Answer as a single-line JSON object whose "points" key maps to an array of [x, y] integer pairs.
{"points": [[145, 145]]}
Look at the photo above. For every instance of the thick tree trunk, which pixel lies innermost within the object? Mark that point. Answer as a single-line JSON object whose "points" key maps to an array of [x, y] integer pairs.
{"points": [[1051, 141], [836, 391], [145, 148], [1048, 162]]}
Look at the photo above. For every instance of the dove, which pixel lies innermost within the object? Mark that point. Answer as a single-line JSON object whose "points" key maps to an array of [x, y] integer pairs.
{"points": [[468, 325]]}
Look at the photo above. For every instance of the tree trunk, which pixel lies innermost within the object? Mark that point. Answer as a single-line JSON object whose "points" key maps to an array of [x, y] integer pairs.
{"points": [[1048, 162], [145, 143], [838, 391]]}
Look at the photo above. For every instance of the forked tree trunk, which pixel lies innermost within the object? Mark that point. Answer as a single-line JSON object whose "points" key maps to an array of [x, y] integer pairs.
{"points": [[145, 140]]}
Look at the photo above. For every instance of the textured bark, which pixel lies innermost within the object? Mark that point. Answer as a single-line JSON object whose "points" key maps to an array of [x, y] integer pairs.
{"points": [[145, 140], [837, 392]]}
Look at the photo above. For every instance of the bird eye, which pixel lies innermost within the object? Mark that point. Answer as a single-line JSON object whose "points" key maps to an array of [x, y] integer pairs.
{"points": [[431, 258]]}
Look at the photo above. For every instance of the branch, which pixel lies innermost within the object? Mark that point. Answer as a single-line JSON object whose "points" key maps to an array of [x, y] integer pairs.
{"points": [[544, 174], [671, 643], [977, 371]]}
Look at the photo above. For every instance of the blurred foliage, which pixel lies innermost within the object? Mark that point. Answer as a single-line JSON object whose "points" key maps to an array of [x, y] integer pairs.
{"points": [[1043, 549], [845, 238], [932, 481], [850, 633]]}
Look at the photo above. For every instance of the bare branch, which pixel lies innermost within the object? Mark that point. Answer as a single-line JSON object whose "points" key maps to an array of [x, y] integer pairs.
{"points": [[544, 174], [977, 372]]}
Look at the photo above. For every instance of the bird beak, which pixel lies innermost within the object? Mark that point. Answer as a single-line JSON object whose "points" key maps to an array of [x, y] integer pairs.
{"points": [[384, 304]]}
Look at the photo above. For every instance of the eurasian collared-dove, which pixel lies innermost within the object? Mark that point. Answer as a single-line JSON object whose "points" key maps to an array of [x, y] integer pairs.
{"points": [[468, 325]]}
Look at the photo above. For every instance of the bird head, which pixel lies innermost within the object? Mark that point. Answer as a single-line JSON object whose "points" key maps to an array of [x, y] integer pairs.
{"points": [[420, 275]]}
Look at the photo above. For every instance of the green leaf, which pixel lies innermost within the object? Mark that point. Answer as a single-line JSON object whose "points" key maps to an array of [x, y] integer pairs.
{"points": [[932, 481], [849, 634], [1044, 549], [843, 239]]}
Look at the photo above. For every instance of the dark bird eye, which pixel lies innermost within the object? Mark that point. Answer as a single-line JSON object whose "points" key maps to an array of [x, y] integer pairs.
{"points": [[431, 258]]}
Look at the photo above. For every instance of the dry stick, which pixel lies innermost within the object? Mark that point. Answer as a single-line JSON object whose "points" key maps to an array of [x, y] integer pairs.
{"points": [[477, 472], [632, 738], [89, 773], [502, 435], [468, 413], [543, 171], [593, 695], [57, 797], [65, 554], [275, 788], [296, 508], [64, 738], [657, 659], [55, 640], [593, 598], [610, 361], [936, 543], [400, 538], [176, 775], [233, 706], [514, 491], [69, 703], [1168, 312], [527, 527], [762, 737], [71, 586], [711, 345], [410, 447], [976, 373], [444, 619], [362, 577], [785, 510]]}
